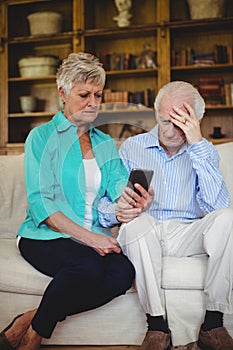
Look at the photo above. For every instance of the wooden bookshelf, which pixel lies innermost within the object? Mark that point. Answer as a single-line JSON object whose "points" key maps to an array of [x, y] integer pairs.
{"points": [[89, 26]]}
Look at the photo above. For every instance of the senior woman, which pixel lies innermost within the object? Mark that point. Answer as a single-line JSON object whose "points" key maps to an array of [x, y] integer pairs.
{"points": [[69, 165]]}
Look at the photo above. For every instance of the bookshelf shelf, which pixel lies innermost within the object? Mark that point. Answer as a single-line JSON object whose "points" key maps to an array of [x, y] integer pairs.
{"points": [[212, 67], [32, 114], [218, 141], [219, 107], [223, 23], [41, 38], [132, 72], [112, 33], [47, 78]]}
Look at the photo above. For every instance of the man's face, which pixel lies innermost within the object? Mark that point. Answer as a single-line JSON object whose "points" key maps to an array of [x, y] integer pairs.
{"points": [[169, 134]]}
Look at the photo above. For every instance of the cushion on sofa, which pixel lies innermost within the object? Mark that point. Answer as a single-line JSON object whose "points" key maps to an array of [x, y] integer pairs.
{"points": [[176, 272], [27, 280]]}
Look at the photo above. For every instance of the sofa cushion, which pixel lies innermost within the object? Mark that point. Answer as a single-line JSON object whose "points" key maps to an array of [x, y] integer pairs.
{"points": [[176, 272], [26, 279], [12, 195]]}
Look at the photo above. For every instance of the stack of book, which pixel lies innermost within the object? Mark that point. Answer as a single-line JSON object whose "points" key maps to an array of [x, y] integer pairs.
{"points": [[118, 99], [203, 59], [118, 61], [122, 98], [212, 90], [221, 54]]}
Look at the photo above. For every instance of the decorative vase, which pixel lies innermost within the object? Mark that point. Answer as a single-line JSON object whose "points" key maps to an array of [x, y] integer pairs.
{"points": [[206, 8], [27, 103]]}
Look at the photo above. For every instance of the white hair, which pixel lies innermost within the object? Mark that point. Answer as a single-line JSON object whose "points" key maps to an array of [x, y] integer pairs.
{"points": [[79, 67], [181, 88]]}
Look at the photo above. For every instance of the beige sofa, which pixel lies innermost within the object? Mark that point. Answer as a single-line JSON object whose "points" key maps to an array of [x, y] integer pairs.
{"points": [[120, 322]]}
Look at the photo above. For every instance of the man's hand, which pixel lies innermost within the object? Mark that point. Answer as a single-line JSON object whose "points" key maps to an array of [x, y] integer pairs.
{"points": [[130, 204], [187, 122]]}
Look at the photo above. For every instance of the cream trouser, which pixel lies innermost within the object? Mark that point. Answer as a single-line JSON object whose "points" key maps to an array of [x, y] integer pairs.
{"points": [[145, 240]]}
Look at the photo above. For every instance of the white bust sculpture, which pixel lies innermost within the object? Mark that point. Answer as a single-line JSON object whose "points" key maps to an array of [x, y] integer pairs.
{"points": [[123, 18]]}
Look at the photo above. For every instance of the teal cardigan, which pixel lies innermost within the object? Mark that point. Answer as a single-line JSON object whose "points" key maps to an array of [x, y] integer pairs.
{"points": [[55, 179]]}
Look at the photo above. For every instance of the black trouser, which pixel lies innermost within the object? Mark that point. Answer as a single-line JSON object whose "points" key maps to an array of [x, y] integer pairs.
{"points": [[82, 279]]}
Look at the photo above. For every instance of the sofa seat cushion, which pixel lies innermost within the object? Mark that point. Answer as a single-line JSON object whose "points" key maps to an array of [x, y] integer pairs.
{"points": [[18, 276], [184, 273]]}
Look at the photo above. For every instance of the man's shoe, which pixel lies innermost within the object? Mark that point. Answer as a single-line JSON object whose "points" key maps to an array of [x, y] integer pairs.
{"points": [[156, 340], [215, 339]]}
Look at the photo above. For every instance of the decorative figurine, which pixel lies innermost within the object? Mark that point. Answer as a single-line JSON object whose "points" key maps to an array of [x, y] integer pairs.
{"points": [[217, 133], [123, 18], [147, 58]]}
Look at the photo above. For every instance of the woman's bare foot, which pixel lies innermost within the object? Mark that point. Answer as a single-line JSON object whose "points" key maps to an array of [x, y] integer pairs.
{"points": [[30, 341], [16, 332]]}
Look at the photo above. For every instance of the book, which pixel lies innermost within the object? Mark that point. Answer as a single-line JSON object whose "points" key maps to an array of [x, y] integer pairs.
{"points": [[228, 94], [212, 90]]}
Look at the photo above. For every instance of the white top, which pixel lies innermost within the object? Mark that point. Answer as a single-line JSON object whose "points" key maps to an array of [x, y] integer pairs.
{"points": [[93, 180]]}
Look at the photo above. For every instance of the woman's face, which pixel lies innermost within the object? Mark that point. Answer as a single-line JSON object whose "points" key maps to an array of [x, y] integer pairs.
{"points": [[82, 104]]}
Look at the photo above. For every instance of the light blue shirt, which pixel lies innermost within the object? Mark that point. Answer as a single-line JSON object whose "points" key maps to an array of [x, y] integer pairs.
{"points": [[187, 185], [55, 176]]}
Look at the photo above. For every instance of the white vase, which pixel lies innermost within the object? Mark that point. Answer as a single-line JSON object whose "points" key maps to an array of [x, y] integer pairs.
{"points": [[27, 103], [206, 8]]}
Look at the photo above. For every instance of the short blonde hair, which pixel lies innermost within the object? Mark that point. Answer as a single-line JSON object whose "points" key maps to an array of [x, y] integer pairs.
{"points": [[176, 88], [79, 67]]}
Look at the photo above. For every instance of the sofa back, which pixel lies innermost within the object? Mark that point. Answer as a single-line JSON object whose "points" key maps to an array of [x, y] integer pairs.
{"points": [[225, 151], [13, 200]]}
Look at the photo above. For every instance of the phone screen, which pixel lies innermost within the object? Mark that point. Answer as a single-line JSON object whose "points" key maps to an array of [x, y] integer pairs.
{"points": [[141, 176]]}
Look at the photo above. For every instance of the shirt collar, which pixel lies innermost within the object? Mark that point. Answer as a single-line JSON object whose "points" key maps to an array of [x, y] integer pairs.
{"points": [[63, 124], [153, 140]]}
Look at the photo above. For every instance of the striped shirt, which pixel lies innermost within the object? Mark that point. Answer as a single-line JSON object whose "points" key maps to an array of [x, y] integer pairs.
{"points": [[187, 185]]}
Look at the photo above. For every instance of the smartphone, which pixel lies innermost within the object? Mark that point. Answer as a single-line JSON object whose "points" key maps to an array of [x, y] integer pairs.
{"points": [[141, 176]]}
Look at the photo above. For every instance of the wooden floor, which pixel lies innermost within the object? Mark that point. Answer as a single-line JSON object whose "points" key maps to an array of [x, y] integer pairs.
{"points": [[192, 346], [78, 347]]}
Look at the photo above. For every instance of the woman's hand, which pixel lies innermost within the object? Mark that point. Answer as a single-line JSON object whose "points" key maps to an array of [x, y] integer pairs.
{"points": [[130, 204], [102, 244]]}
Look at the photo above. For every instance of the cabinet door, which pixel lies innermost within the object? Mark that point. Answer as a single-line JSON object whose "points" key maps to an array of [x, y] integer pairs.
{"points": [[201, 53], [44, 37], [118, 48], [129, 55]]}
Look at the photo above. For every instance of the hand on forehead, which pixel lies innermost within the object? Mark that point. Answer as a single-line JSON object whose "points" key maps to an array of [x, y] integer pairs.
{"points": [[178, 101]]}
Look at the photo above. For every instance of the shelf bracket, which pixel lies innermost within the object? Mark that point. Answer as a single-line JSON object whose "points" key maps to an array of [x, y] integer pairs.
{"points": [[162, 29], [2, 41], [78, 34]]}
